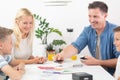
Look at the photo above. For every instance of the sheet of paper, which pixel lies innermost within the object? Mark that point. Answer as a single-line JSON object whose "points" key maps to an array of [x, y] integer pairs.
{"points": [[61, 68]]}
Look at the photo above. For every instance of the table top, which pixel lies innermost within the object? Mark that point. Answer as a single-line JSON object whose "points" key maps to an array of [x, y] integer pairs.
{"points": [[35, 72]]}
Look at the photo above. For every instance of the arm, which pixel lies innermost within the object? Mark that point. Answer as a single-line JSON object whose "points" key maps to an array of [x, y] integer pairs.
{"points": [[108, 63], [41, 59], [66, 53], [119, 78], [15, 62], [12, 73], [31, 57], [93, 61], [35, 60]]}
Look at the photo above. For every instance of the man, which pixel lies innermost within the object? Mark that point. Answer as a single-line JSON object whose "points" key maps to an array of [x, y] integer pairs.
{"points": [[98, 37]]}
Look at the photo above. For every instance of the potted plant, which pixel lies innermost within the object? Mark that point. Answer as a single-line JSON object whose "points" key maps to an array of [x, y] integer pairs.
{"points": [[42, 33], [50, 48], [44, 29], [50, 52], [58, 43]]}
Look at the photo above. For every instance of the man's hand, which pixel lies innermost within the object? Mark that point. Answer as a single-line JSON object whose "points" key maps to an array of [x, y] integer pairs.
{"points": [[89, 60], [58, 57]]}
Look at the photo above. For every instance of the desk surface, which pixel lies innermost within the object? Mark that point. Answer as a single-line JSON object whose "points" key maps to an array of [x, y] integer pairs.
{"points": [[35, 73]]}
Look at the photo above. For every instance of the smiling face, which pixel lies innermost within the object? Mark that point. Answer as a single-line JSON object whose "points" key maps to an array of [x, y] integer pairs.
{"points": [[117, 40], [25, 24], [97, 18]]}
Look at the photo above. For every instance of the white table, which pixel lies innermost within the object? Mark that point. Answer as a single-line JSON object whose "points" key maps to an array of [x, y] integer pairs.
{"points": [[34, 73]]}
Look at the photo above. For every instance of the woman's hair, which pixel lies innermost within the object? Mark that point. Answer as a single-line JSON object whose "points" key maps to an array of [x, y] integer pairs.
{"points": [[18, 34]]}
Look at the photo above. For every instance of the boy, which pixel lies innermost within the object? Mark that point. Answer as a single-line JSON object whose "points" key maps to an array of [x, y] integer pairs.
{"points": [[6, 61], [117, 44]]}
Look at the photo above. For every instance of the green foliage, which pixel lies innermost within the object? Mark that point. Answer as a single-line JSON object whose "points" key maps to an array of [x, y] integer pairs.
{"points": [[60, 50], [58, 42], [44, 29], [50, 47]]}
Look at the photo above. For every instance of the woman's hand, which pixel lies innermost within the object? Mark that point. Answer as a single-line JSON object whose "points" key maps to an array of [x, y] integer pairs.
{"points": [[42, 60], [39, 60]]}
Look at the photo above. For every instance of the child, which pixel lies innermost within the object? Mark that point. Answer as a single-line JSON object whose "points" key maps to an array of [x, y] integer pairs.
{"points": [[6, 61], [117, 44]]}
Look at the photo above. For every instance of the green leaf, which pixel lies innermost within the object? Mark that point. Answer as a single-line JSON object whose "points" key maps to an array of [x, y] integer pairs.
{"points": [[44, 29], [58, 42]]}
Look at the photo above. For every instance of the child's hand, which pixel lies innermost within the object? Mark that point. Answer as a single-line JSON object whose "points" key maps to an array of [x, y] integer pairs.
{"points": [[19, 71], [15, 75], [20, 68]]}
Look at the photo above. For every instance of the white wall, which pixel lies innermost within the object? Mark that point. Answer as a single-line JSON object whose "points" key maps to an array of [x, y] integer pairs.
{"points": [[75, 15]]}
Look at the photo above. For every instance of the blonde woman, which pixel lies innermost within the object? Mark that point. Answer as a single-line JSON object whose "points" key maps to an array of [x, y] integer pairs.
{"points": [[23, 37]]}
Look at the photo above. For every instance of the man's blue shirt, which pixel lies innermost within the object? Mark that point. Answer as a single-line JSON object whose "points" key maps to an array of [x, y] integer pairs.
{"points": [[88, 38]]}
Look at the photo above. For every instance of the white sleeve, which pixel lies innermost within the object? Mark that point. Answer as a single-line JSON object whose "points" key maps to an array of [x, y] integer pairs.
{"points": [[117, 72]]}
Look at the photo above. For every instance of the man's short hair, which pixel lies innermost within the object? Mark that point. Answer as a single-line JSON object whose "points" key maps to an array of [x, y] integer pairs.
{"points": [[98, 4], [117, 29], [4, 32]]}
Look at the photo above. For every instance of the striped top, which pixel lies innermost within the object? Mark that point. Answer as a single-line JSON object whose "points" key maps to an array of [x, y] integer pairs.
{"points": [[4, 60]]}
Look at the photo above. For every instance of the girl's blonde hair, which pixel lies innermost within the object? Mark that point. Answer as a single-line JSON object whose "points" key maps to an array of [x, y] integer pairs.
{"points": [[22, 12]]}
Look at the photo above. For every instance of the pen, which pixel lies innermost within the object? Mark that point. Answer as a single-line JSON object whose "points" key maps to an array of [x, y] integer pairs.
{"points": [[59, 61], [52, 72], [83, 58]]}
